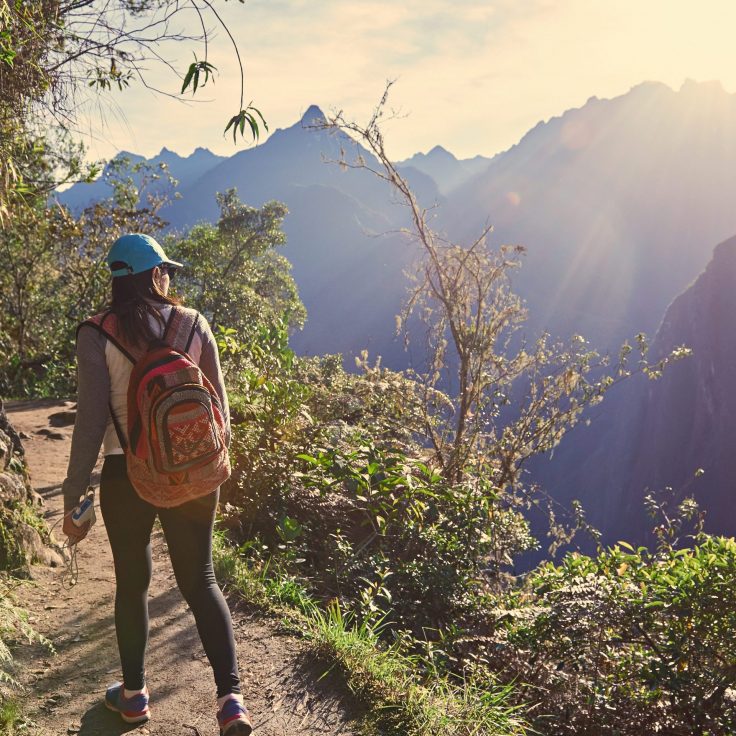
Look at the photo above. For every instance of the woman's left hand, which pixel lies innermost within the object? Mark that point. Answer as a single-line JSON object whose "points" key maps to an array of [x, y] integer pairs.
{"points": [[74, 532]]}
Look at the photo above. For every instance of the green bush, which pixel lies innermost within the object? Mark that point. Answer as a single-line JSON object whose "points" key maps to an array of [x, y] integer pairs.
{"points": [[627, 642], [422, 550]]}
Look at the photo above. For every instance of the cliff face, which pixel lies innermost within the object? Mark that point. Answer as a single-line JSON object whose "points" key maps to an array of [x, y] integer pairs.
{"points": [[687, 419], [651, 434]]}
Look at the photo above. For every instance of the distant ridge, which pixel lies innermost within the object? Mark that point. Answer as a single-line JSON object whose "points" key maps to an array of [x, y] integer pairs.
{"points": [[602, 196], [182, 168], [447, 171]]}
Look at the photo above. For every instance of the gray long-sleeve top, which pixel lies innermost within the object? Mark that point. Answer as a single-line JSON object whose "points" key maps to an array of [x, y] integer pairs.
{"points": [[93, 399]]}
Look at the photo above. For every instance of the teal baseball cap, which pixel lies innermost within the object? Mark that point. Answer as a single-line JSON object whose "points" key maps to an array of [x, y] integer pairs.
{"points": [[139, 252]]}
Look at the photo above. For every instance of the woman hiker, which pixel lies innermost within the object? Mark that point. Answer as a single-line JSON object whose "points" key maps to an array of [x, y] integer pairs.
{"points": [[142, 307]]}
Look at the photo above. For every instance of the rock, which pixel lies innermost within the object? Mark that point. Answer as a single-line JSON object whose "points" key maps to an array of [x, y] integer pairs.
{"points": [[63, 418], [36, 498], [12, 488], [6, 450], [8, 429], [21, 542], [35, 550]]}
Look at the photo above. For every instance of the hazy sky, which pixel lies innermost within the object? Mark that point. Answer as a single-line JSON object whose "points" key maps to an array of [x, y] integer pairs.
{"points": [[473, 75]]}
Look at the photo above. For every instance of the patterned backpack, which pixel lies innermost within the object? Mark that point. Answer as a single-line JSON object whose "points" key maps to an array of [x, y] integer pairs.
{"points": [[176, 449]]}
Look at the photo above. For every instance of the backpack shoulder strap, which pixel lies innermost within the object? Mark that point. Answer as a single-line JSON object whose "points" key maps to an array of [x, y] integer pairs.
{"points": [[106, 323], [181, 328]]}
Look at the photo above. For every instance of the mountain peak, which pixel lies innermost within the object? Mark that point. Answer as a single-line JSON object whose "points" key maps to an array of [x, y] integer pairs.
{"points": [[712, 86], [723, 253], [651, 84], [440, 151], [166, 153], [312, 115]]}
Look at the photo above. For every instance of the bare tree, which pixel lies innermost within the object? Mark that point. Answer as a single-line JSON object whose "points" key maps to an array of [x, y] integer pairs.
{"points": [[514, 398]]}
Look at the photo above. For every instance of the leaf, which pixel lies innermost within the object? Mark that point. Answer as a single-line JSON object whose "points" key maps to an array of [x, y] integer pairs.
{"points": [[192, 76], [258, 112], [233, 121], [188, 78], [237, 122]]}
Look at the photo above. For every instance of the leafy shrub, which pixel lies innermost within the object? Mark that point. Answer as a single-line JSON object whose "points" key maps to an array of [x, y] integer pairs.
{"points": [[419, 549], [627, 642], [268, 413], [232, 272]]}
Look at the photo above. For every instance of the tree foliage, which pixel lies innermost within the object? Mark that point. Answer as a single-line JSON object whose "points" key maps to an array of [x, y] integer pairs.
{"points": [[233, 273], [55, 274], [53, 53]]}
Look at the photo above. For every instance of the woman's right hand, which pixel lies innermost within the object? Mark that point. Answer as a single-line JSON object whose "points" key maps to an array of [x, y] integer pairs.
{"points": [[73, 532]]}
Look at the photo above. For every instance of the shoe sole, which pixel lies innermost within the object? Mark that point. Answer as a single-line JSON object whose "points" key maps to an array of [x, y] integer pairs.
{"points": [[130, 719], [239, 728]]}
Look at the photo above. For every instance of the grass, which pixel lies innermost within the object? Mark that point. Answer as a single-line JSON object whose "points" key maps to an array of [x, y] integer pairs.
{"points": [[12, 720], [384, 678], [10, 717]]}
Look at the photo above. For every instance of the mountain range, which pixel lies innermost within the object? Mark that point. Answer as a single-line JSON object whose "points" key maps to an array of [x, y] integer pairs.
{"points": [[615, 202], [618, 203]]}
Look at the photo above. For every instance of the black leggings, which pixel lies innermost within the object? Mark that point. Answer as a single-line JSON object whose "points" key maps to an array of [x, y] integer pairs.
{"points": [[188, 531]]}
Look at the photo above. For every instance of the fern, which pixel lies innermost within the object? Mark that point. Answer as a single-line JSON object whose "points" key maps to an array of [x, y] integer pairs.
{"points": [[14, 625]]}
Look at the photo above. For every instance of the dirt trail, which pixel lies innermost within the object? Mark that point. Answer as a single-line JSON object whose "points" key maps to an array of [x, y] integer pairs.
{"points": [[64, 691]]}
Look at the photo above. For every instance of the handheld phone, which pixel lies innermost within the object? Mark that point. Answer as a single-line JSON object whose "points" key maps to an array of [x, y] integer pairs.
{"points": [[84, 513], [86, 510]]}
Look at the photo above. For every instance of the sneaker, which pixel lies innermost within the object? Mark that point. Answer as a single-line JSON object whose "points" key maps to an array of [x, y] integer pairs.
{"points": [[132, 710], [233, 719]]}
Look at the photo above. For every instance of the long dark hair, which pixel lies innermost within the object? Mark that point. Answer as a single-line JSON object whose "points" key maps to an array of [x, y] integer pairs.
{"points": [[131, 304]]}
